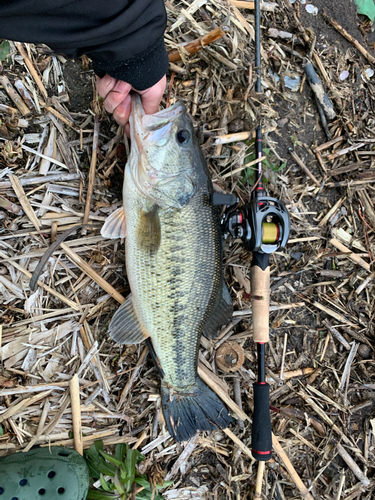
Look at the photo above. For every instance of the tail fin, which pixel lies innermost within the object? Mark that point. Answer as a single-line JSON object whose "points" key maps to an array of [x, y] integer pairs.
{"points": [[199, 409]]}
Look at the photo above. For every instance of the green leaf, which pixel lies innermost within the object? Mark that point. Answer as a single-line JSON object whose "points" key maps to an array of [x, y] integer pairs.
{"points": [[166, 484], [119, 485], [106, 469], [1, 430], [4, 50], [100, 495], [104, 484], [142, 482], [367, 8], [120, 451], [111, 459]]}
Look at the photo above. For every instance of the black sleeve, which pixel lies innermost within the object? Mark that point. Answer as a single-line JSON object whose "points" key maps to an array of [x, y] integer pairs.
{"points": [[124, 38]]}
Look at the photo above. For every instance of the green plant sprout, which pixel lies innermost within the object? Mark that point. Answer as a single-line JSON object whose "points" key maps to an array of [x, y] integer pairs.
{"points": [[117, 474], [249, 174]]}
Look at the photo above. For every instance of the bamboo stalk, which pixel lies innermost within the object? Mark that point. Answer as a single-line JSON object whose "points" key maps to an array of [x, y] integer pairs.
{"points": [[92, 171], [23, 109], [76, 414], [199, 43]]}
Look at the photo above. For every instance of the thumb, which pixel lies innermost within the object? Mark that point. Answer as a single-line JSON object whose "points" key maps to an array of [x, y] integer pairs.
{"points": [[151, 97]]}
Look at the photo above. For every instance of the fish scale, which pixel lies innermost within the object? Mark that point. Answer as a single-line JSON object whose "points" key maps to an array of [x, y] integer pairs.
{"points": [[172, 303]]}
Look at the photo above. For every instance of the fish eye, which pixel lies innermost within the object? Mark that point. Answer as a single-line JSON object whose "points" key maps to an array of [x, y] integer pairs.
{"points": [[183, 136]]}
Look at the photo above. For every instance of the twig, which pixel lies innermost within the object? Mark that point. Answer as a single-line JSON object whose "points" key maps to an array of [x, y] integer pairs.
{"points": [[90, 186], [134, 375], [268, 7], [189, 448], [48, 289], [49, 158], [222, 394], [239, 443], [237, 398], [199, 43], [24, 201], [238, 136], [31, 68], [348, 365], [351, 255], [352, 40], [292, 471], [23, 109], [76, 413], [298, 160], [337, 334], [30, 181], [93, 274], [258, 485], [283, 357], [331, 212], [353, 466]]}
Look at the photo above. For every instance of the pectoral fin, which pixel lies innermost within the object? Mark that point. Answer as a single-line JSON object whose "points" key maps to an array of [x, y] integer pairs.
{"points": [[149, 230], [220, 315], [125, 327], [115, 226]]}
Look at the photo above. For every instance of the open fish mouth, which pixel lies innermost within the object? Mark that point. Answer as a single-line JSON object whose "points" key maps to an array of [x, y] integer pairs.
{"points": [[145, 130]]}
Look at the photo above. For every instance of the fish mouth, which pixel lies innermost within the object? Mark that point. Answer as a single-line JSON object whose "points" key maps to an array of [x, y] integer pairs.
{"points": [[144, 129], [144, 125]]}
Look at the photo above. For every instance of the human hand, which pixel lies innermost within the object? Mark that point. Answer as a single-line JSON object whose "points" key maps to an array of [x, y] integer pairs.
{"points": [[117, 100]]}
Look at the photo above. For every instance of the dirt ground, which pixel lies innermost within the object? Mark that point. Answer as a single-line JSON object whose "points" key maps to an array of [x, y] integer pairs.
{"points": [[323, 301]]}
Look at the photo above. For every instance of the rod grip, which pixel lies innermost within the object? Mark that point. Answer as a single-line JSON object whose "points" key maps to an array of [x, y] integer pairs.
{"points": [[261, 434], [260, 302]]}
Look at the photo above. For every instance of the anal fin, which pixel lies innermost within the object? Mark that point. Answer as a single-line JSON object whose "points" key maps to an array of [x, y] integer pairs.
{"points": [[125, 327], [115, 225], [220, 315]]}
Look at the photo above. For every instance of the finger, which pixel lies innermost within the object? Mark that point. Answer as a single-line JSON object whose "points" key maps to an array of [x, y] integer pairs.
{"points": [[122, 112], [151, 97], [105, 85], [117, 95]]}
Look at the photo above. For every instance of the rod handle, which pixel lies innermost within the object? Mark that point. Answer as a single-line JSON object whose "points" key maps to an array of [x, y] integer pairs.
{"points": [[261, 434], [260, 297]]}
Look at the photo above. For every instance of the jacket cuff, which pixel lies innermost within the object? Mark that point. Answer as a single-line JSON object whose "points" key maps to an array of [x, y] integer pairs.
{"points": [[142, 71]]}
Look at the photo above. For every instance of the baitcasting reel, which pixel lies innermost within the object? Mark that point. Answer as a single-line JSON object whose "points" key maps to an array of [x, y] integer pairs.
{"points": [[263, 224]]}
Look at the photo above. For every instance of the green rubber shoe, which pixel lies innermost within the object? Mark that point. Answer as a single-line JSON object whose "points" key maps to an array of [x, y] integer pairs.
{"points": [[55, 473]]}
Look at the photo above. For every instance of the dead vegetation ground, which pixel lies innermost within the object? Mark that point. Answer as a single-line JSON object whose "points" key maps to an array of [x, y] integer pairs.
{"points": [[320, 359]]}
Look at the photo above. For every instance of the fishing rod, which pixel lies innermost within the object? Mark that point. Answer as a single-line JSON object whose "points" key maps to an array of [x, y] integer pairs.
{"points": [[263, 225]]}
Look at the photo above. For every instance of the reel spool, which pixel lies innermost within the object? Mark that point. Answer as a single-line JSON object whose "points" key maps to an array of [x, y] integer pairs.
{"points": [[263, 224]]}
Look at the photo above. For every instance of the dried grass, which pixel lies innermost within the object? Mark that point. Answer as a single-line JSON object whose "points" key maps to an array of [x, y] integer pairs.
{"points": [[320, 358]]}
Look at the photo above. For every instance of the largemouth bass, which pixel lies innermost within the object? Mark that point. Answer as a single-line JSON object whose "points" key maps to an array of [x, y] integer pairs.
{"points": [[173, 262]]}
